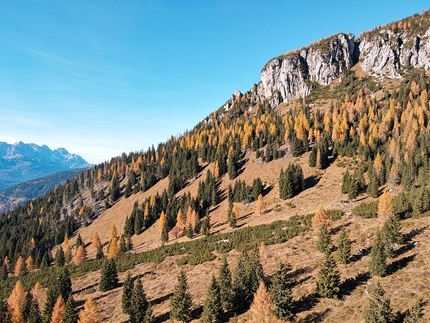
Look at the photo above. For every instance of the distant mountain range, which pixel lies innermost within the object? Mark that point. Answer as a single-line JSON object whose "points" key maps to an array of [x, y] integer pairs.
{"points": [[21, 162]]}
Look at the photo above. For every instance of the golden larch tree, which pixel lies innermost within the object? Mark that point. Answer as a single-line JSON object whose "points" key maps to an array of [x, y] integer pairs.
{"points": [[17, 316], [113, 233], [16, 300], [385, 206], [180, 220], [113, 249], [162, 221], [29, 264], [18, 266], [95, 240], [235, 212], [58, 311], [259, 205], [80, 255], [66, 243], [262, 309], [90, 313], [320, 217]]}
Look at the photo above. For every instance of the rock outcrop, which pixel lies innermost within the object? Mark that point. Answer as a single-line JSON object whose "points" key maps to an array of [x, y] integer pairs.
{"points": [[387, 51]]}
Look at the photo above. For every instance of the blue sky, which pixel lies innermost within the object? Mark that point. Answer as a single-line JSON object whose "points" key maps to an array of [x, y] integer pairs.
{"points": [[104, 77]]}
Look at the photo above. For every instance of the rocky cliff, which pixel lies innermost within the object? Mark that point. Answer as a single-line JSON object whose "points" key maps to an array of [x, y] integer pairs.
{"points": [[387, 51]]}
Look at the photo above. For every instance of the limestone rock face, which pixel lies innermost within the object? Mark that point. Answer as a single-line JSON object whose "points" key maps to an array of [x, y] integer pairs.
{"points": [[385, 53], [290, 76], [381, 53]]}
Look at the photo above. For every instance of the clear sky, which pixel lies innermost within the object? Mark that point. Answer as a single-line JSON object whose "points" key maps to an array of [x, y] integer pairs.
{"points": [[104, 77]]}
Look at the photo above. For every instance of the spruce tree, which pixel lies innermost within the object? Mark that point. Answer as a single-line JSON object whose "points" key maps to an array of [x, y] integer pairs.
{"points": [[79, 242], [231, 166], [378, 261], [378, 309], [328, 284], [206, 225], [127, 292], [34, 315], [139, 303], [180, 302], [391, 234], [109, 275], [242, 296], [59, 257], [415, 315], [346, 182], [313, 157], [99, 252], [70, 314], [324, 240], [225, 286], [280, 293], [343, 254], [212, 309], [254, 272]]}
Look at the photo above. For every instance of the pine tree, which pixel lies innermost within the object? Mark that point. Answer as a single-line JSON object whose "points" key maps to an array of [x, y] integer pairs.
{"points": [[99, 253], [206, 225], [90, 313], [391, 234], [225, 286], [242, 296], [58, 310], [324, 240], [343, 254], [127, 291], [378, 261], [346, 182], [254, 272], [180, 302], [262, 309], [70, 315], [34, 315], [79, 242], [139, 303], [212, 309], [378, 309], [280, 293], [328, 283], [415, 315], [109, 275], [59, 258]]}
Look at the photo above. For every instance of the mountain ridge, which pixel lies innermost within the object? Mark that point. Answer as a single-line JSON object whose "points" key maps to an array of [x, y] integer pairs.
{"points": [[21, 162]]}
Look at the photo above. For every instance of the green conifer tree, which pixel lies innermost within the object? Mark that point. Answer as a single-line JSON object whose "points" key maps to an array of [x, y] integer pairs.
{"points": [[280, 293], [378, 261], [328, 283], [180, 302], [343, 254], [99, 252], [79, 242], [324, 240], [225, 286], [391, 234], [212, 309], [139, 304], [415, 314], [34, 315], [59, 257], [378, 309], [108, 275], [346, 182], [70, 315], [127, 292]]}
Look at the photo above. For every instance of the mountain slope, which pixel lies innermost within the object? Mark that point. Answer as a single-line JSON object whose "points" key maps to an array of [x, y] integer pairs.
{"points": [[18, 194], [22, 162], [360, 135]]}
